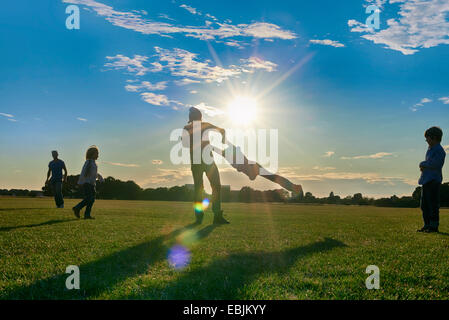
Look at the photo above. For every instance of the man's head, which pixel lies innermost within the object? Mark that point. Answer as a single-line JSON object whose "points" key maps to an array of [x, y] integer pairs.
{"points": [[433, 135], [54, 154], [195, 114]]}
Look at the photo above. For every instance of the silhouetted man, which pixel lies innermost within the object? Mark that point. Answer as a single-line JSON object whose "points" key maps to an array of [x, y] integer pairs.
{"points": [[199, 166], [55, 168]]}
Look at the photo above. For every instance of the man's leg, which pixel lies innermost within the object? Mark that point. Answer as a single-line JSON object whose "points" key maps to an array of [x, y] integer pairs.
{"points": [[197, 173], [214, 178], [434, 218], [425, 205], [58, 194]]}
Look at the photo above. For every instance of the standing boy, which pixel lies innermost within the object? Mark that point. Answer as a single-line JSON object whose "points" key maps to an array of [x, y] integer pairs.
{"points": [[431, 178], [55, 168]]}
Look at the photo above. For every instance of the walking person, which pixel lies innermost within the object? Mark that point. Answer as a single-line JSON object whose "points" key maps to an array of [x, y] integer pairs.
{"points": [[55, 168], [87, 181]]}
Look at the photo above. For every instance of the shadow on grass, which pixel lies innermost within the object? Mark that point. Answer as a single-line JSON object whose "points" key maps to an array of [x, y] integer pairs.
{"points": [[228, 278], [50, 222], [222, 279]]}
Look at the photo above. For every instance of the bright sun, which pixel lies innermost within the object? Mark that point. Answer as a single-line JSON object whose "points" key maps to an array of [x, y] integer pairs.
{"points": [[242, 110]]}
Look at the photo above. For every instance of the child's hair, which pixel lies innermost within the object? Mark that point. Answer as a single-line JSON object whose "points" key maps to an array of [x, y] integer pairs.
{"points": [[434, 133], [195, 114], [91, 152]]}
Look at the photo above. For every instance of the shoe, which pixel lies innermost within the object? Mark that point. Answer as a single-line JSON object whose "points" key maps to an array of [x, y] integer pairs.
{"points": [[76, 212], [199, 217], [219, 219], [89, 218], [431, 230], [423, 229]]}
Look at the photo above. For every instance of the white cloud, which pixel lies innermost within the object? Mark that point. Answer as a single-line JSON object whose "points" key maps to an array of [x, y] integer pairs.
{"points": [[258, 63], [378, 155], [328, 154], [81, 119], [420, 24], [135, 22], [328, 42], [193, 91], [158, 162], [445, 100], [7, 115], [132, 65], [190, 9], [146, 85], [210, 111], [323, 168], [155, 99], [118, 164], [420, 104]]}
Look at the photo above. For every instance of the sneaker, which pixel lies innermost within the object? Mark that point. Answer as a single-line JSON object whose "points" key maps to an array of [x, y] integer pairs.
{"points": [[431, 230], [76, 212], [219, 219]]}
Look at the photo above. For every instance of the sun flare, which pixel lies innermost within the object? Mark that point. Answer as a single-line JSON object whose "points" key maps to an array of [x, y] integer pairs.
{"points": [[242, 110]]}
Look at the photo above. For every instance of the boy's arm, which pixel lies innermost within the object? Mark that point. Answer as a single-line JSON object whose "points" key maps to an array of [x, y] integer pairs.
{"points": [[221, 130], [48, 175], [435, 161]]}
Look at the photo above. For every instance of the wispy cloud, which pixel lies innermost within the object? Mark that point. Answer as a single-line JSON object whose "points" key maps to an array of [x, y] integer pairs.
{"points": [[420, 104], [420, 24], [7, 115], [134, 21], [378, 155], [190, 9], [146, 85], [254, 63], [155, 99], [328, 42], [157, 162], [210, 111], [328, 154], [81, 119], [125, 165], [445, 100]]}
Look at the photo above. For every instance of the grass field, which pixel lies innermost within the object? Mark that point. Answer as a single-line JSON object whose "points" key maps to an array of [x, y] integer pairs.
{"points": [[269, 251]]}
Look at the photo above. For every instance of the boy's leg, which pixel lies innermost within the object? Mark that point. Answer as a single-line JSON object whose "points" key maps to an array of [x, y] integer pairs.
{"points": [[58, 194], [89, 192], [435, 203], [425, 204], [197, 173]]}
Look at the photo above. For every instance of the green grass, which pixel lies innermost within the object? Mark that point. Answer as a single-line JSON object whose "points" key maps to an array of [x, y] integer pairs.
{"points": [[269, 251]]}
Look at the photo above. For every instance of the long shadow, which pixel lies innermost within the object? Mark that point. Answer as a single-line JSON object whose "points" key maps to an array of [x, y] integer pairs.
{"points": [[19, 209], [50, 222], [99, 275], [220, 280], [227, 278]]}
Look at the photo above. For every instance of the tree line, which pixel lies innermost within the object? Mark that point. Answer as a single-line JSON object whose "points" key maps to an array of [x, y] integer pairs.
{"points": [[113, 188]]}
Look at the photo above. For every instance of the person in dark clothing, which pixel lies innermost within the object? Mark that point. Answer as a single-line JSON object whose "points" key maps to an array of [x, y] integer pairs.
{"points": [[55, 169], [431, 178]]}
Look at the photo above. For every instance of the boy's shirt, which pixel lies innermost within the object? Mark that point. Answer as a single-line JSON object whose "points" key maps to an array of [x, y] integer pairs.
{"points": [[433, 165]]}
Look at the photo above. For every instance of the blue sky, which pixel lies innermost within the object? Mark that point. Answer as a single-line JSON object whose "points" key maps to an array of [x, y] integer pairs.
{"points": [[351, 104]]}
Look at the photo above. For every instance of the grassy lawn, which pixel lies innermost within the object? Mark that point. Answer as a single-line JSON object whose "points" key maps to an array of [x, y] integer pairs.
{"points": [[269, 251]]}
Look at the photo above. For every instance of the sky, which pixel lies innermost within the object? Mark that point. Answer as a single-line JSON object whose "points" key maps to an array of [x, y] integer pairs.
{"points": [[350, 103]]}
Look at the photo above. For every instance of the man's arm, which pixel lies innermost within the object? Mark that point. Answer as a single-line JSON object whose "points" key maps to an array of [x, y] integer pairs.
{"points": [[65, 173], [48, 175], [209, 126]]}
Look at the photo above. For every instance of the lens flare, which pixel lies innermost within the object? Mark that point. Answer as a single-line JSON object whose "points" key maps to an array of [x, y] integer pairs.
{"points": [[201, 206], [178, 257]]}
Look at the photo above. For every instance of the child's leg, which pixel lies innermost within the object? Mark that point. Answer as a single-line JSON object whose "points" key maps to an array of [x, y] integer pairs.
{"points": [[425, 204], [89, 191], [435, 204], [197, 173]]}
